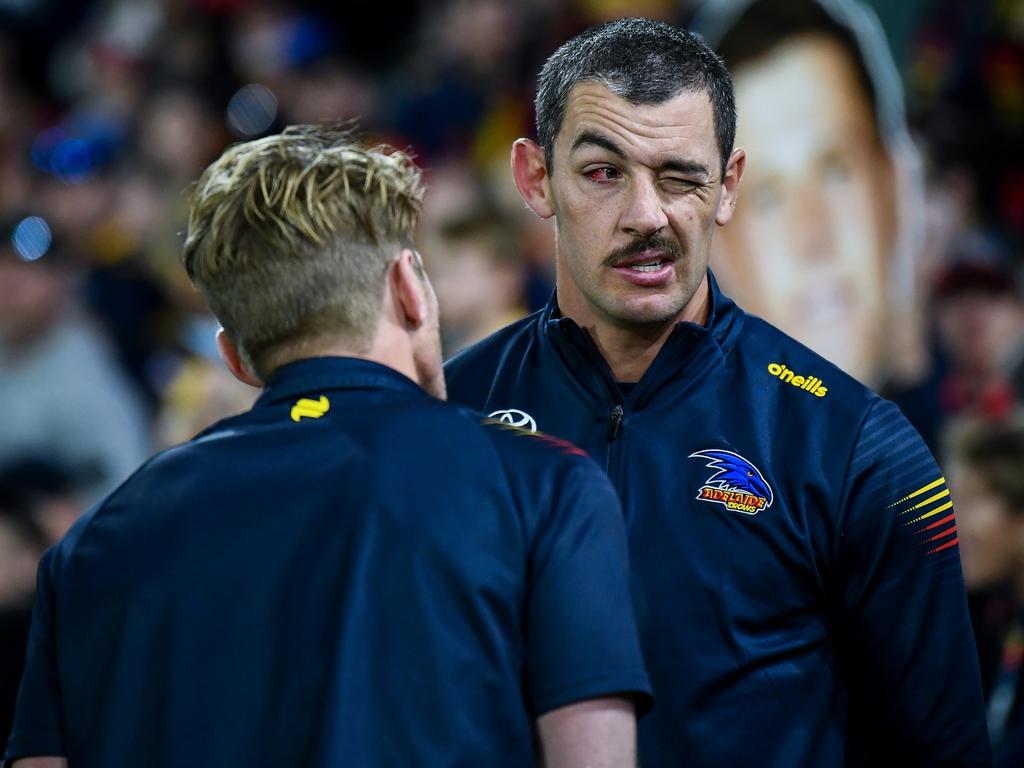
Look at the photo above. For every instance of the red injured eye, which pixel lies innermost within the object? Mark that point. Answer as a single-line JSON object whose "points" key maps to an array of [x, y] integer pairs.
{"points": [[604, 173]]}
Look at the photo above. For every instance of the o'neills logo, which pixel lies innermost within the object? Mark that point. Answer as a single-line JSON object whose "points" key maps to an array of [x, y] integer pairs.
{"points": [[811, 384]]}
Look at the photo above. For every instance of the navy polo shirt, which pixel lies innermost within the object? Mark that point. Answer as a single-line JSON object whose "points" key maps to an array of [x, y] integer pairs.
{"points": [[352, 573], [794, 548]]}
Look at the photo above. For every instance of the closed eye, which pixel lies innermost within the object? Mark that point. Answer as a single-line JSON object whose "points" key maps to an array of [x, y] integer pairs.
{"points": [[679, 186]]}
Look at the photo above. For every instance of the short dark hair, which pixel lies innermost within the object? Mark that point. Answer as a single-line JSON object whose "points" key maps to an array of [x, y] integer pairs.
{"points": [[644, 62]]}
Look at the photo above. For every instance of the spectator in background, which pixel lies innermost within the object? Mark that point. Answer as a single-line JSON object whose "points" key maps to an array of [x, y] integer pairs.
{"points": [[61, 391], [479, 277], [47, 490], [978, 317], [179, 134], [823, 245], [22, 542], [988, 480]]}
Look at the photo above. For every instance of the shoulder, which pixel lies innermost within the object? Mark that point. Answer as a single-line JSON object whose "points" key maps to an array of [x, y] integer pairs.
{"points": [[537, 472], [63, 551], [480, 361], [848, 427], [538, 453], [831, 401], [800, 375], [496, 344], [532, 445]]}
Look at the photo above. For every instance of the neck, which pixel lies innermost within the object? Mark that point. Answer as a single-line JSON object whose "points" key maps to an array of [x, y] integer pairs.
{"points": [[395, 353], [630, 348]]}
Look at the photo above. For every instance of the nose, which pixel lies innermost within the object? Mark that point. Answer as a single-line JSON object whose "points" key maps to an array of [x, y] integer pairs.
{"points": [[644, 214]]}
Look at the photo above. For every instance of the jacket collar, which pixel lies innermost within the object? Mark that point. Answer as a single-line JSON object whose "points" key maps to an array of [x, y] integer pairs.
{"points": [[333, 373], [692, 346], [718, 325]]}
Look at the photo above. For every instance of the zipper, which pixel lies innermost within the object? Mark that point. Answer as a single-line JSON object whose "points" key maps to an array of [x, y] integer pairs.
{"points": [[615, 422], [596, 372], [615, 419]]}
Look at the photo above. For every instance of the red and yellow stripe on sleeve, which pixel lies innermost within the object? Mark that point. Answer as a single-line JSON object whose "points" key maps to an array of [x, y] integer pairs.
{"points": [[930, 509]]}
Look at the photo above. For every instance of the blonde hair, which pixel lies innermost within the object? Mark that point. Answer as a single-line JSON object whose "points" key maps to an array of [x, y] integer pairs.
{"points": [[290, 238]]}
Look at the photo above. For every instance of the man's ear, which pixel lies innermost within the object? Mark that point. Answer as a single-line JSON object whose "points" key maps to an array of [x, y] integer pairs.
{"points": [[531, 175], [233, 360], [409, 289], [731, 186]]}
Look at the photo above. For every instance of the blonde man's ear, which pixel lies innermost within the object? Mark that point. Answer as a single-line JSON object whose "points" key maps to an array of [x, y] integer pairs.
{"points": [[408, 282], [233, 360]]}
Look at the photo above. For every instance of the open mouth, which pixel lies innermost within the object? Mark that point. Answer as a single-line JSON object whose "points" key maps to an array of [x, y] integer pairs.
{"points": [[647, 269], [653, 266], [648, 257]]}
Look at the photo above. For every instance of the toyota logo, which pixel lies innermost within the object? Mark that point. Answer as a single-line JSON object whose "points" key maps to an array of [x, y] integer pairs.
{"points": [[515, 418]]}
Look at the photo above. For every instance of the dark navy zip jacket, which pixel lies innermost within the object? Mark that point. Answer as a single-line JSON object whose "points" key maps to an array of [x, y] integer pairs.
{"points": [[350, 574], [795, 563]]}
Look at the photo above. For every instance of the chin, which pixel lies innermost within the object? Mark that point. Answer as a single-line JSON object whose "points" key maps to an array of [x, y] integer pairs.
{"points": [[649, 310]]}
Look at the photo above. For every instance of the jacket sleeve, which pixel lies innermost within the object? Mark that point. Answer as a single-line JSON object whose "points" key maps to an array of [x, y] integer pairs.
{"points": [[903, 626], [38, 726]]}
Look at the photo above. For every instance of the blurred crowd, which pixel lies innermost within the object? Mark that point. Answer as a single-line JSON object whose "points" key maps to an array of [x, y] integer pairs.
{"points": [[109, 109]]}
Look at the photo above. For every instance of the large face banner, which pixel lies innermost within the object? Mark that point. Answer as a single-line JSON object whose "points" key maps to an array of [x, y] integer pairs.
{"points": [[824, 237]]}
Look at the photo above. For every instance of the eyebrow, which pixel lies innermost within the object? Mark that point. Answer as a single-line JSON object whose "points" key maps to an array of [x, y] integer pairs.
{"points": [[686, 167], [596, 140]]}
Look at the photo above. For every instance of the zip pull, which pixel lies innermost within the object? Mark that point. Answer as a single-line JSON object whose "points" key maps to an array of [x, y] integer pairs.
{"points": [[615, 422]]}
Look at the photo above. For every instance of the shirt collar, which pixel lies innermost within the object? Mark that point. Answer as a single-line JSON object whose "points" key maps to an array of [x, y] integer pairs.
{"points": [[333, 373], [721, 316], [691, 347]]}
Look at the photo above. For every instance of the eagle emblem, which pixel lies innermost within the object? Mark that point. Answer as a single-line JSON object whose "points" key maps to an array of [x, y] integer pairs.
{"points": [[734, 483]]}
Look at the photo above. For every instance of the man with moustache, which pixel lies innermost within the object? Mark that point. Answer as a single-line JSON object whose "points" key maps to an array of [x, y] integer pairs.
{"points": [[795, 563]]}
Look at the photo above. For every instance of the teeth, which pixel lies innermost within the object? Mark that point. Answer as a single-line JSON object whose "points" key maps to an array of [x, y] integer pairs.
{"points": [[647, 267]]}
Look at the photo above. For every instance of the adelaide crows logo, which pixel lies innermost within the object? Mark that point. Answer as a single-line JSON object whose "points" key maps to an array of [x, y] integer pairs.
{"points": [[736, 483]]}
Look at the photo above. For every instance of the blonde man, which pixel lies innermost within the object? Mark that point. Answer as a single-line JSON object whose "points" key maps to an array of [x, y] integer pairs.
{"points": [[353, 572]]}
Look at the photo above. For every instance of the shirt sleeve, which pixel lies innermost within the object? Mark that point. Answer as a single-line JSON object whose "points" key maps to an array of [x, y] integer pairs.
{"points": [[38, 725], [581, 635], [903, 626]]}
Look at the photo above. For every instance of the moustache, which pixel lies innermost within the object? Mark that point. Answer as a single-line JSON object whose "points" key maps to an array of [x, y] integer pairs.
{"points": [[653, 243]]}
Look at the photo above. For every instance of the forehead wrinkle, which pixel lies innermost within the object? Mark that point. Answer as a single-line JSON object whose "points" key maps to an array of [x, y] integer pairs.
{"points": [[626, 117]]}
